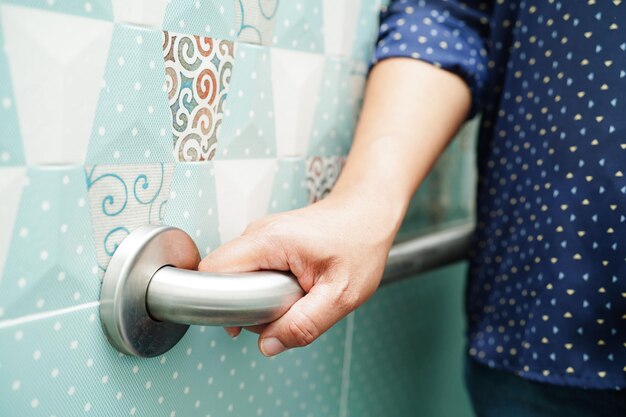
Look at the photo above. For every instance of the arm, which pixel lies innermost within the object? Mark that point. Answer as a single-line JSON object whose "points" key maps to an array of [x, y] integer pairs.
{"points": [[337, 248]]}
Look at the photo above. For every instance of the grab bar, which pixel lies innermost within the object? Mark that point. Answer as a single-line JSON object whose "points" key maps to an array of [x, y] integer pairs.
{"points": [[151, 294]]}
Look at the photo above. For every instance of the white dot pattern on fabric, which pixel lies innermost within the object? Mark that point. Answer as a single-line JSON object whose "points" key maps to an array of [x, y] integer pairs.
{"points": [[547, 289]]}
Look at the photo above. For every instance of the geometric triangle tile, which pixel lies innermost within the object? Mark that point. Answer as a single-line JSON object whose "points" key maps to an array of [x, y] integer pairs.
{"points": [[95, 9], [299, 26], [198, 73], [51, 262], [296, 81], [243, 188], [215, 18], [148, 13], [340, 20], [248, 129], [366, 30], [290, 188], [132, 122], [12, 181], [122, 198], [11, 152], [333, 122], [71, 355], [62, 58], [192, 204]]}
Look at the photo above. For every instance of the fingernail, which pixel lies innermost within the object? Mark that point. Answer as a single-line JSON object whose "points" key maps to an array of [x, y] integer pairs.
{"points": [[232, 332], [272, 346]]}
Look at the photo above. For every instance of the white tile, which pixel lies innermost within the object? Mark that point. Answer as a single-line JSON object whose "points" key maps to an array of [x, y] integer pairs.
{"points": [[296, 78], [243, 189], [57, 64], [140, 12], [340, 19]]}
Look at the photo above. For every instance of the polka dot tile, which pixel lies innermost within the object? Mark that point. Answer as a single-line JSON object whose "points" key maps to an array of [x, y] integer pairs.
{"points": [[335, 117], [403, 361], [206, 373], [132, 123], [215, 18], [11, 152], [95, 9], [290, 189], [248, 129], [299, 26], [51, 261], [192, 204]]}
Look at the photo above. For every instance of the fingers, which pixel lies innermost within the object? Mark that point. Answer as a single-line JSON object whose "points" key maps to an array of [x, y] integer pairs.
{"points": [[233, 331], [244, 254], [307, 319]]}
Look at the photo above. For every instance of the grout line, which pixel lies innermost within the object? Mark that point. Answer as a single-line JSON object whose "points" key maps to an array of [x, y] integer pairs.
{"points": [[40, 316], [347, 361]]}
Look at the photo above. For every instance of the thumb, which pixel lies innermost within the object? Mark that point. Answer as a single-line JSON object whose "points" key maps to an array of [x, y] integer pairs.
{"points": [[306, 320], [245, 254]]}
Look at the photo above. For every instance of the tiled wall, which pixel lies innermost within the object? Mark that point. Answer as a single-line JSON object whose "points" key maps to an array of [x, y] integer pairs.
{"points": [[201, 114]]}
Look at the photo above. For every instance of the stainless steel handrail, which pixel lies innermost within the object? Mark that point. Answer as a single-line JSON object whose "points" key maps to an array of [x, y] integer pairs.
{"points": [[150, 294]]}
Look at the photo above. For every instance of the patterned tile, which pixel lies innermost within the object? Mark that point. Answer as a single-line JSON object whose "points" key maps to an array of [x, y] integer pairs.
{"points": [[122, 198], [321, 175], [198, 71], [255, 20]]}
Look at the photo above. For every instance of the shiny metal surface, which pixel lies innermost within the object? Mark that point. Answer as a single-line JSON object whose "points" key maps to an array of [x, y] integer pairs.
{"points": [[123, 314], [150, 293], [243, 299], [424, 253]]}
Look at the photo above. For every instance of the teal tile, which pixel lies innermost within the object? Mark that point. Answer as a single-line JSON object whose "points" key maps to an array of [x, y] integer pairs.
{"points": [[96, 9], [298, 25], [367, 30], [215, 18], [290, 189], [11, 152], [447, 194], [192, 204], [207, 373], [133, 122], [51, 262], [335, 117], [248, 127], [407, 356]]}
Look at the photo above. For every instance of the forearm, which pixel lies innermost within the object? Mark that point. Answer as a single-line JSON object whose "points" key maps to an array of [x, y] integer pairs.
{"points": [[410, 113]]}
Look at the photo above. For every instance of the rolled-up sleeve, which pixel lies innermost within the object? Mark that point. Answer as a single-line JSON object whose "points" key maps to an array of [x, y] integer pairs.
{"points": [[450, 34]]}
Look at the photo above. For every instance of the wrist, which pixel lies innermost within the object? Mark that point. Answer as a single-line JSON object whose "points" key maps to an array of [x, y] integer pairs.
{"points": [[372, 206]]}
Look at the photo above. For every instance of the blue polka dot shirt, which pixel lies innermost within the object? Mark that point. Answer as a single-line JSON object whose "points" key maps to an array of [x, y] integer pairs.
{"points": [[546, 295]]}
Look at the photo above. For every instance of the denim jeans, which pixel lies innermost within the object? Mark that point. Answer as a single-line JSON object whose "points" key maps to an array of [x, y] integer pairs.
{"points": [[496, 393]]}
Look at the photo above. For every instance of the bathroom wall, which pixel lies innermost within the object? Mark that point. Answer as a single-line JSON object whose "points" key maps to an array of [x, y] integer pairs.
{"points": [[204, 115]]}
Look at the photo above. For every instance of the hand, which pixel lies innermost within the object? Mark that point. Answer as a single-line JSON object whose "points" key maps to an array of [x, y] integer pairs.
{"points": [[336, 248]]}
